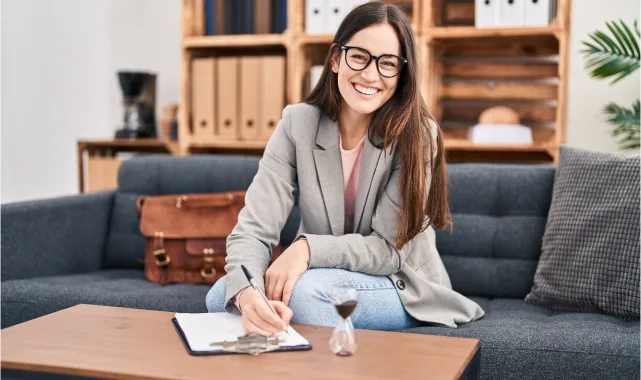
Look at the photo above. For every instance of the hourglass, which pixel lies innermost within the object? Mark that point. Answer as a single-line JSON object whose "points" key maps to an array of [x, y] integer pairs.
{"points": [[343, 340]]}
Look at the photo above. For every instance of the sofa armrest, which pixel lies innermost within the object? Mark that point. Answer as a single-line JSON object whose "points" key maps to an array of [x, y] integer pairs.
{"points": [[62, 235]]}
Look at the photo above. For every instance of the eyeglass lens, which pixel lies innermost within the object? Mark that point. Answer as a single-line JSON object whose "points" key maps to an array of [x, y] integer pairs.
{"points": [[388, 65]]}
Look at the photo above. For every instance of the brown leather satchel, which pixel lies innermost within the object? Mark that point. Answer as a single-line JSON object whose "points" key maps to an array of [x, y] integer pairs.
{"points": [[187, 235]]}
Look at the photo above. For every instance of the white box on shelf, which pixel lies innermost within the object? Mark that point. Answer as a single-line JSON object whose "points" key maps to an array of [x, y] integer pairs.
{"points": [[500, 134], [314, 75], [316, 16], [486, 13], [336, 12], [512, 13], [536, 13]]}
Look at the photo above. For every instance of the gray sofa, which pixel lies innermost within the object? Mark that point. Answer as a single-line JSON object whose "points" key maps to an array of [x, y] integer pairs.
{"points": [[59, 252]]}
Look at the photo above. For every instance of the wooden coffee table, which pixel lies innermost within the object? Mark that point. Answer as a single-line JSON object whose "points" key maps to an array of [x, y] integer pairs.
{"points": [[118, 343]]}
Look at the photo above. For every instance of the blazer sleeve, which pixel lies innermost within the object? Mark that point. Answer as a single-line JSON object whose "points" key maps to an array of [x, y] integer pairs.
{"points": [[373, 254], [268, 203]]}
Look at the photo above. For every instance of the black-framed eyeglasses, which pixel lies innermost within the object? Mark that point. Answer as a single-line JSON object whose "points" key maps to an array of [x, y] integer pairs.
{"points": [[388, 65]]}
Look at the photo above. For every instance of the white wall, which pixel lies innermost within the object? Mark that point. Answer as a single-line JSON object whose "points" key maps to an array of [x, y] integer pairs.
{"points": [[59, 63], [59, 84], [54, 90], [144, 35], [587, 125]]}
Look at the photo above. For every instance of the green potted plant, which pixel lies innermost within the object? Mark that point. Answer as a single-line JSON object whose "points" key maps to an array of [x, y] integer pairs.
{"points": [[618, 57]]}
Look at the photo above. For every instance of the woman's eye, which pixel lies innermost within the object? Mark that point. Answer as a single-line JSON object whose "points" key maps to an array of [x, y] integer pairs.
{"points": [[358, 56]]}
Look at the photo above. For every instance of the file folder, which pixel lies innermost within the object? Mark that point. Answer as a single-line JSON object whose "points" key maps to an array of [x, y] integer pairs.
{"points": [[537, 12], [316, 16], [227, 97], [335, 14], [263, 16], [249, 97], [203, 95], [512, 13], [487, 13], [272, 97]]}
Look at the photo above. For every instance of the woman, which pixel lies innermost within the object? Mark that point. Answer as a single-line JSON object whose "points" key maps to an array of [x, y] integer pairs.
{"points": [[369, 168]]}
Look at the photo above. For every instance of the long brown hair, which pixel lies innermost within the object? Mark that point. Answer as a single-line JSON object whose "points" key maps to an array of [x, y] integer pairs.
{"points": [[403, 121]]}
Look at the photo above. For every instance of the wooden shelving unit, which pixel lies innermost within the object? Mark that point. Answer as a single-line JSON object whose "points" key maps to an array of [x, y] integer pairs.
{"points": [[464, 70]]}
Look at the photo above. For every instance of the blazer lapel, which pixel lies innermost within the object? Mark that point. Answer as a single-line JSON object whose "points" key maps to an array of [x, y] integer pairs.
{"points": [[369, 164], [327, 158]]}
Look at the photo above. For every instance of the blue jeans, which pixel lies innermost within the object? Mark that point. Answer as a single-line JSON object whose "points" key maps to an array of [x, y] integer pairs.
{"points": [[379, 307]]}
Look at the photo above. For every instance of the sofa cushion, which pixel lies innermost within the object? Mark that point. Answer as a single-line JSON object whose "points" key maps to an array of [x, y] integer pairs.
{"points": [[23, 300], [523, 341], [180, 175], [499, 213], [590, 249]]}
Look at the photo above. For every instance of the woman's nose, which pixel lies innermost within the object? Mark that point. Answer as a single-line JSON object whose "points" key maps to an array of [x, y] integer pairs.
{"points": [[370, 73]]}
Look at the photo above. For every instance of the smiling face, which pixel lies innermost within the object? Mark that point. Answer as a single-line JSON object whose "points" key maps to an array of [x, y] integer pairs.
{"points": [[367, 90]]}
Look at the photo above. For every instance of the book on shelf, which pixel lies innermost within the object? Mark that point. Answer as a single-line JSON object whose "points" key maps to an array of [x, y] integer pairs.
{"points": [[227, 17]]}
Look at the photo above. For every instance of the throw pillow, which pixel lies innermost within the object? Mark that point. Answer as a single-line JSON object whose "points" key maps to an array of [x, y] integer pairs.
{"points": [[590, 250]]}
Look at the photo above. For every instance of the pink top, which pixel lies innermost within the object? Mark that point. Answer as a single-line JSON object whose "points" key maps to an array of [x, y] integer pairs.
{"points": [[351, 160]]}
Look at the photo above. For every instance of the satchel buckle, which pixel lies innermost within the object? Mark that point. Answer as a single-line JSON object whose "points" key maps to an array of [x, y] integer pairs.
{"points": [[162, 259], [208, 259], [210, 274]]}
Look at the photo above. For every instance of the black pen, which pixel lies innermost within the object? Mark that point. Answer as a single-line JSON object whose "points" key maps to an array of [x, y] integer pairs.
{"points": [[252, 282]]}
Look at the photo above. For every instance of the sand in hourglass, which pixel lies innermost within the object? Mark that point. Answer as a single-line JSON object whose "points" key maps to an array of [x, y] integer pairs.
{"points": [[346, 309]]}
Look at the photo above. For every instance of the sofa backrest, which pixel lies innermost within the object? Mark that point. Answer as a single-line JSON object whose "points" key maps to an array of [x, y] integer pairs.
{"points": [[164, 174], [499, 213]]}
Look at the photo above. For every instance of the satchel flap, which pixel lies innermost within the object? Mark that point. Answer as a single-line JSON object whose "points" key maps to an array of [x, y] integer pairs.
{"points": [[198, 247], [208, 215]]}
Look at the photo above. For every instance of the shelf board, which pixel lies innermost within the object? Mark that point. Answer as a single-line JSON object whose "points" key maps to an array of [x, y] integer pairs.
{"points": [[467, 145], [141, 143], [237, 40], [229, 144], [455, 32], [308, 39]]}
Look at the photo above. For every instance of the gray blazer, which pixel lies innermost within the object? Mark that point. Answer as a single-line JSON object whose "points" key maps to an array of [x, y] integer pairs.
{"points": [[303, 155]]}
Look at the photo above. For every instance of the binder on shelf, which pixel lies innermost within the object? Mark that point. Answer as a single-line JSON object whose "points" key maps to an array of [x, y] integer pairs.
{"points": [[227, 98], [487, 13], [511, 13], [316, 16], [263, 12], [220, 16], [536, 13], [336, 12], [279, 16], [210, 17], [249, 98], [231, 23], [199, 17], [203, 95], [272, 93]]}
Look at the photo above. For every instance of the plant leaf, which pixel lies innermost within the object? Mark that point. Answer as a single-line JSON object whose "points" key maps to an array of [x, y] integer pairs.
{"points": [[606, 57], [633, 39], [621, 43]]}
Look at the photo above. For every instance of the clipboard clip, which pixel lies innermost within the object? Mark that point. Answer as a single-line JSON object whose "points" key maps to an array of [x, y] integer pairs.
{"points": [[249, 344]]}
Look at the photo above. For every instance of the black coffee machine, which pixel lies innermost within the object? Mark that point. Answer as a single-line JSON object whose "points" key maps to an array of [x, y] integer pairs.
{"points": [[139, 101]]}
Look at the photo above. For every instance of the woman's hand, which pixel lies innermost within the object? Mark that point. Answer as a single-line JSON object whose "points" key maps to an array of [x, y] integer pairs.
{"points": [[258, 318], [282, 275]]}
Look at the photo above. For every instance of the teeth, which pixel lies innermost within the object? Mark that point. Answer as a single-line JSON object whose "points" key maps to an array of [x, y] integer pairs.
{"points": [[366, 90]]}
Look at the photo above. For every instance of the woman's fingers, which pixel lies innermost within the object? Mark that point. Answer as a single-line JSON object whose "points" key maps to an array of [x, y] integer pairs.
{"points": [[268, 316], [277, 293], [288, 288], [265, 328], [283, 310]]}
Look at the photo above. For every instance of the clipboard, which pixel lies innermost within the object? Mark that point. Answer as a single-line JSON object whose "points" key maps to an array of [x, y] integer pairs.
{"points": [[252, 345]]}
